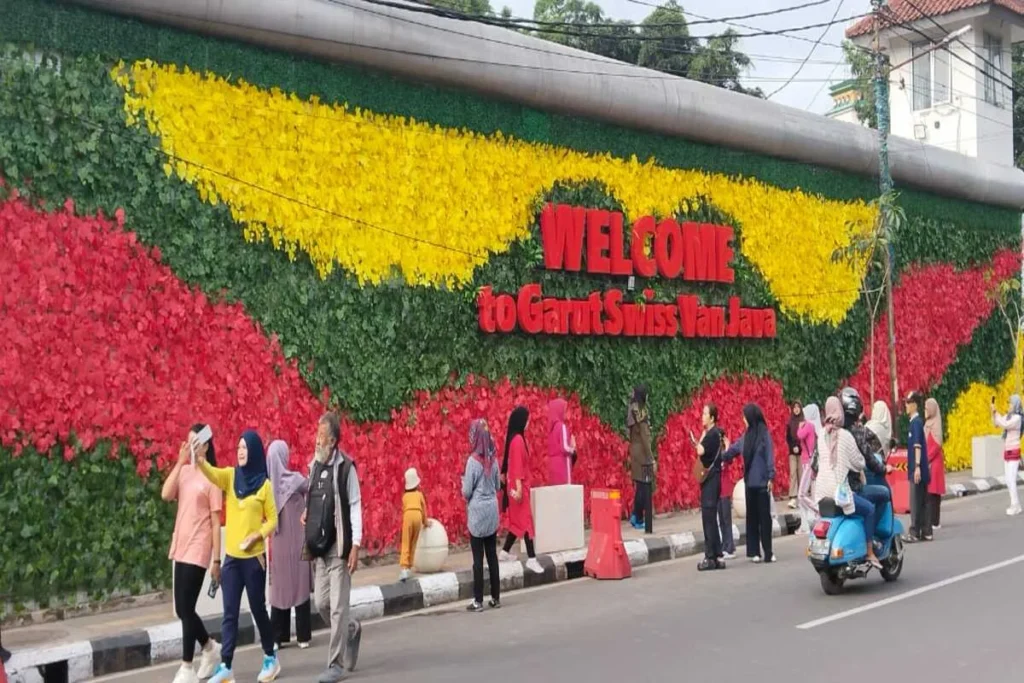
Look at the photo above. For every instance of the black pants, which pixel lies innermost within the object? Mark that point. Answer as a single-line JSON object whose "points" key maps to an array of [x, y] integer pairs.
{"points": [[710, 493], [489, 546], [920, 520], [759, 522], [281, 620], [643, 492], [188, 583], [511, 539], [725, 525], [935, 509]]}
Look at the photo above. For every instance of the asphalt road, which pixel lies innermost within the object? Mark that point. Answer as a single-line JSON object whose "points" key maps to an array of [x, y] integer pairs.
{"points": [[954, 613]]}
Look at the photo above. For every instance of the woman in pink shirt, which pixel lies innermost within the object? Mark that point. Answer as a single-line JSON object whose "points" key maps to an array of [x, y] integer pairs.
{"points": [[561, 445], [195, 546]]}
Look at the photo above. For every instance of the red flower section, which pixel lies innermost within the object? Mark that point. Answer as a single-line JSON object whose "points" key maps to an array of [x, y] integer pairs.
{"points": [[937, 311], [99, 340], [432, 435], [676, 486]]}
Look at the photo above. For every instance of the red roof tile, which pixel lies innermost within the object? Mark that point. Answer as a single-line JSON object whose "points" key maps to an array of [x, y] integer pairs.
{"points": [[904, 11]]}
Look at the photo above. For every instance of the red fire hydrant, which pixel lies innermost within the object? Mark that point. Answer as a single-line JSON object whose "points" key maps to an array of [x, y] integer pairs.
{"points": [[606, 555]]}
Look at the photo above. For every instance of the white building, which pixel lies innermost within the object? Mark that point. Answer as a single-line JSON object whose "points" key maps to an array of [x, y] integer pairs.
{"points": [[957, 97]]}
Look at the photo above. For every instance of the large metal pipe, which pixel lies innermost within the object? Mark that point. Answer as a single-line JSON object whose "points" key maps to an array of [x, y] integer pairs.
{"points": [[507, 65]]}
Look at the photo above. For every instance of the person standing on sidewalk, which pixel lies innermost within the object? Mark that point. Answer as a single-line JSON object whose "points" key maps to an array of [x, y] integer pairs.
{"points": [[917, 472], [289, 572], [480, 484], [1011, 425], [561, 444], [729, 480], [758, 474], [251, 518], [936, 461], [195, 548], [641, 455], [810, 433], [796, 419], [517, 489], [334, 532], [709, 451]]}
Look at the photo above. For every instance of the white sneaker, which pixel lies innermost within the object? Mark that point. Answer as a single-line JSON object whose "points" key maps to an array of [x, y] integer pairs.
{"points": [[503, 556], [404, 576], [186, 674], [1013, 511], [728, 556], [209, 658], [534, 566]]}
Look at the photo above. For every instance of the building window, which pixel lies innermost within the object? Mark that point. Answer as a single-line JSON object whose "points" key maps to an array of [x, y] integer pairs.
{"points": [[932, 75], [993, 53]]}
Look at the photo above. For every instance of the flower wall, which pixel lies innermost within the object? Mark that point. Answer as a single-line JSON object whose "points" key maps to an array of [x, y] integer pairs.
{"points": [[195, 230]]}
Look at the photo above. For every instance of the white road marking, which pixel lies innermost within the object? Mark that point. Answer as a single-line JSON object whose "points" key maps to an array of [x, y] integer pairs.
{"points": [[913, 593]]}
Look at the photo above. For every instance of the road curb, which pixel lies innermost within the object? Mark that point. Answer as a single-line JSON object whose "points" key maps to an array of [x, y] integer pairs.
{"points": [[137, 649]]}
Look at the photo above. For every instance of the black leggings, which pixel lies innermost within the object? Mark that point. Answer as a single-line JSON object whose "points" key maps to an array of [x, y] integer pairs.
{"points": [[489, 546], [281, 620], [511, 539], [188, 582]]}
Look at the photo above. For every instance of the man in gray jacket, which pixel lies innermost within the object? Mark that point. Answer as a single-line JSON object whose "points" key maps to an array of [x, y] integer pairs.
{"points": [[334, 531]]}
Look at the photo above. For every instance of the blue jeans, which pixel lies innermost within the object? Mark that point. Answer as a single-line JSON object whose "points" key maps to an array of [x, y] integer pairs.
{"points": [[866, 509], [878, 496]]}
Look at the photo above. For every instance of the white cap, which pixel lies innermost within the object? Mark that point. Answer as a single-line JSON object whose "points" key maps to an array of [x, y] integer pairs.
{"points": [[412, 479]]}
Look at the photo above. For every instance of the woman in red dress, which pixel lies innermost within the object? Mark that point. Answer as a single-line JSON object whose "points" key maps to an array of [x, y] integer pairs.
{"points": [[516, 498], [936, 460]]}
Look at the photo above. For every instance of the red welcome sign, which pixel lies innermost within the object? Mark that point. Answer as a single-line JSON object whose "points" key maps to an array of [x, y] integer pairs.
{"points": [[579, 239]]}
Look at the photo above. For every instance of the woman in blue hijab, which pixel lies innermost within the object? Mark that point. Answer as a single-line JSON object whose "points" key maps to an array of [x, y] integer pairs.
{"points": [[251, 518]]}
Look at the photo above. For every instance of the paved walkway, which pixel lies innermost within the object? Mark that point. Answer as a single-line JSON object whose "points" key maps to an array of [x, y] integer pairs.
{"points": [[155, 610]]}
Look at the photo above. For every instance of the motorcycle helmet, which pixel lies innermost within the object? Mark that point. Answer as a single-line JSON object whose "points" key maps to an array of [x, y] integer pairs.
{"points": [[853, 407]]}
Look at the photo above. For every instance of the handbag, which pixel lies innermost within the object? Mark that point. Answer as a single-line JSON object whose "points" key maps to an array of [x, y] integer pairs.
{"points": [[844, 494]]}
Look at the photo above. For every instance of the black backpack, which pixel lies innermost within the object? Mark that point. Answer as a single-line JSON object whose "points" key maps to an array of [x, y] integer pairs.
{"points": [[321, 526]]}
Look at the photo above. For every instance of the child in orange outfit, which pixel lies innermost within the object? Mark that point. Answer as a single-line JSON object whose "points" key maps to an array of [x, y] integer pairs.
{"points": [[414, 518]]}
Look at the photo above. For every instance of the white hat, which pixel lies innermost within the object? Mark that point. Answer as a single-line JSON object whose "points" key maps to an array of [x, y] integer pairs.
{"points": [[412, 479]]}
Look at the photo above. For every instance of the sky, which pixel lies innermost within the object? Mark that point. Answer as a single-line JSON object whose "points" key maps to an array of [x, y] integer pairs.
{"points": [[775, 58]]}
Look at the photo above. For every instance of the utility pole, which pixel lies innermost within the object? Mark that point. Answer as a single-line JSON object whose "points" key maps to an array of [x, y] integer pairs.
{"points": [[882, 71], [885, 185]]}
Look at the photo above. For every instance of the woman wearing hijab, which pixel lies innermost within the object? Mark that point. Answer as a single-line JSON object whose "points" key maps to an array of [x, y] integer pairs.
{"points": [[561, 444], [195, 548], [880, 425], [838, 455], [796, 419], [251, 519], [936, 460], [480, 484], [1011, 426], [809, 434], [758, 473], [641, 455], [289, 573], [516, 497]]}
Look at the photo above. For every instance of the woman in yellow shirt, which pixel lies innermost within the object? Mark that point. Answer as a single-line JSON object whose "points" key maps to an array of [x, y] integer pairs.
{"points": [[251, 518]]}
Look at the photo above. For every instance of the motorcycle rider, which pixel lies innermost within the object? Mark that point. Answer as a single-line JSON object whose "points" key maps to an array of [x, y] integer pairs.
{"points": [[877, 494]]}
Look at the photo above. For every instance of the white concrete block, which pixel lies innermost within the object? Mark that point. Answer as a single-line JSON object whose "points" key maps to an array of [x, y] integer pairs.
{"points": [[557, 517], [986, 456]]}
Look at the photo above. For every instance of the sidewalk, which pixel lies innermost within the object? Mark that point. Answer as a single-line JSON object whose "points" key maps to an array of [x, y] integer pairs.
{"points": [[138, 637]]}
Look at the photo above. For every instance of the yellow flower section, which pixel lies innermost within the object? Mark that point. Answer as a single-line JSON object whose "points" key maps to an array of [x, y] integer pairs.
{"points": [[972, 417], [376, 193]]}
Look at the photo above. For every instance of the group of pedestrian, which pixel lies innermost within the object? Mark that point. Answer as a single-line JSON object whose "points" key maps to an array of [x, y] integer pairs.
{"points": [[304, 531]]}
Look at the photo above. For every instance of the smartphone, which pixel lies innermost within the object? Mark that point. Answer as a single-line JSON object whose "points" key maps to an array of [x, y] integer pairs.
{"points": [[204, 435], [212, 592]]}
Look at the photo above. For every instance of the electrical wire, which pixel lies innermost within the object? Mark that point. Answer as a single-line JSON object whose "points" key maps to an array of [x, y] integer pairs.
{"points": [[810, 54], [448, 14]]}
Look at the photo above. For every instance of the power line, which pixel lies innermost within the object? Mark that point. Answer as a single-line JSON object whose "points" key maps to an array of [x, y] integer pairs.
{"points": [[448, 14], [960, 40], [810, 53]]}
